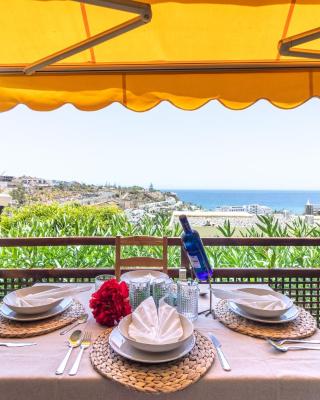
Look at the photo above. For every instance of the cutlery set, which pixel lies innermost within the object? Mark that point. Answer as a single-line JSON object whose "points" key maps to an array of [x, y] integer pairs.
{"points": [[278, 345], [75, 340], [298, 344], [84, 341]]}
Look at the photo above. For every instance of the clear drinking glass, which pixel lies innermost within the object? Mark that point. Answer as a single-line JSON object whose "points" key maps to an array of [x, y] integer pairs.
{"points": [[160, 288], [139, 290], [171, 296], [100, 279], [187, 299]]}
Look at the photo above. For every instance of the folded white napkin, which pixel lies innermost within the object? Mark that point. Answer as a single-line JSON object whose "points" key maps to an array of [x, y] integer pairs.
{"points": [[49, 296], [263, 302], [153, 326]]}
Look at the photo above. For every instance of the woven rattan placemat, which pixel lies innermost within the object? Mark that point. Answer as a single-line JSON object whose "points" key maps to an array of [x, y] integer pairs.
{"points": [[153, 378], [303, 326], [13, 329]]}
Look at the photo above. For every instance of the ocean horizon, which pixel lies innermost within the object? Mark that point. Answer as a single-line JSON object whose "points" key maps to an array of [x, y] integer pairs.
{"points": [[291, 200]]}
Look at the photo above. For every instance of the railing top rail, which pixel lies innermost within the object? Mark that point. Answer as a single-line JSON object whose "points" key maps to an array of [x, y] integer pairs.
{"points": [[172, 241], [40, 273]]}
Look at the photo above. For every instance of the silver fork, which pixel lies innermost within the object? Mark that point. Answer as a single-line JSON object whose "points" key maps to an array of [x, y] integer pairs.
{"points": [[284, 349], [86, 342]]}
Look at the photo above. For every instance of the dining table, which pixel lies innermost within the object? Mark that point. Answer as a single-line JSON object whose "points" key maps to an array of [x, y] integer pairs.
{"points": [[258, 371]]}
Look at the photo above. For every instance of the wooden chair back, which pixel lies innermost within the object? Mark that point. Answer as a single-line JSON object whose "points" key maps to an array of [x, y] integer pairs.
{"points": [[159, 263]]}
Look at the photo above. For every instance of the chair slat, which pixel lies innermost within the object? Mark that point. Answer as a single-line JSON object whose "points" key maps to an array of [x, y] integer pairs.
{"points": [[141, 262], [141, 241]]}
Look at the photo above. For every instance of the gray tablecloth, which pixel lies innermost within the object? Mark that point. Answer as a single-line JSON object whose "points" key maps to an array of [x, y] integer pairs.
{"points": [[258, 371]]}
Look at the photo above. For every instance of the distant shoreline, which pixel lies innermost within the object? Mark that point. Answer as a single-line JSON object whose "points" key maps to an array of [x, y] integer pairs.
{"points": [[291, 200]]}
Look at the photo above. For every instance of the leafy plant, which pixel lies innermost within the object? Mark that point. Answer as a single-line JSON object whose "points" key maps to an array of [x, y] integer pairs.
{"points": [[74, 220], [265, 256], [226, 229]]}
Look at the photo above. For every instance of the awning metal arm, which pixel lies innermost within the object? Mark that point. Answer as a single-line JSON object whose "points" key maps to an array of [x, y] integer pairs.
{"points": [[123, 5], [144, 16], [287, 46]]}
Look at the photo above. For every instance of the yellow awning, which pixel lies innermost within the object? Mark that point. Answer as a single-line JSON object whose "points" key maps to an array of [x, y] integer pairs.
{"points": [[187, 52]]}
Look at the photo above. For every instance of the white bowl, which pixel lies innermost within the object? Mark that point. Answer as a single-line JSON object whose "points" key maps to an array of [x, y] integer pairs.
{"points": [[265, 313], [9, 300], [142, 273], [187, 327]]}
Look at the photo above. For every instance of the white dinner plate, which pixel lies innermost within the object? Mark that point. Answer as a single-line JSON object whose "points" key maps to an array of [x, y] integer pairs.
{"points": [[288, 316], [141, 273], [121, 346], [6, 312]]}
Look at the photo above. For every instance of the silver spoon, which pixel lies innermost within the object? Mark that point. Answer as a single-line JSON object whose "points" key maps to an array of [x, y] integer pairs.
{"points": [[81, 320], [73, 341], [284, 349]]}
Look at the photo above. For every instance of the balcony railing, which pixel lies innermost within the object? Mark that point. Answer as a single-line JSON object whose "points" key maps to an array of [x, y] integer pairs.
{"points": [[302, 285]]}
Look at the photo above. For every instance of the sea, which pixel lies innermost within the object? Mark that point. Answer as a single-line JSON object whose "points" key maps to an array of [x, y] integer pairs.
{"points": [[291, 200]]}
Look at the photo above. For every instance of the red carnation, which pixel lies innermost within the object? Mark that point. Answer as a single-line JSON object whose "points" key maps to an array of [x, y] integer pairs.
{"points": [[110, 303]]}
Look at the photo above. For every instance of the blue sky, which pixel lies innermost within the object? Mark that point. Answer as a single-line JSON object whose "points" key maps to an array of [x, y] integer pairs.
{"points": [[261, 147]]}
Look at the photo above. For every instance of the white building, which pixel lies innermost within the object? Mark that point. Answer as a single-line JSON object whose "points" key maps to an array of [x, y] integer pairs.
{"points": [[29, 182], [312, 209], [231, 209], [5, 181], [258, 209]]}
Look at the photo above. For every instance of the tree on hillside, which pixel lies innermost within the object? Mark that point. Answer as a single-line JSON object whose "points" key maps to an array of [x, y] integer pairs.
{"points": [[134, 189], [19, 194], [151, 188]]}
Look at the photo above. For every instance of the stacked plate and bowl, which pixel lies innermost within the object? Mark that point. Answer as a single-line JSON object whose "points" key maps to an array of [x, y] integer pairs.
{"points": [[284, 312], [140, 351], [16, 309]]}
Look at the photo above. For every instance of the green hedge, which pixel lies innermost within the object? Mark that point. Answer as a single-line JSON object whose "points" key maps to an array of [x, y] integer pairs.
{"points": [[75, 220]]}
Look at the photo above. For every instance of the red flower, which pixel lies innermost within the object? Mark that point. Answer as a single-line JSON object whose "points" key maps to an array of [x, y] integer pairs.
{"points": [[110, 303]]}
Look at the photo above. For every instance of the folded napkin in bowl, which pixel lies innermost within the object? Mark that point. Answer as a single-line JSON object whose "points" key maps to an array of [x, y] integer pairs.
{"points": [[152, 326], [48, 296], [263, 302]]}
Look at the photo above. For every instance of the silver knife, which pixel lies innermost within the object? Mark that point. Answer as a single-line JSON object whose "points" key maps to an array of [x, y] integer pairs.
{"points": [[7, 344], [223, 361]]}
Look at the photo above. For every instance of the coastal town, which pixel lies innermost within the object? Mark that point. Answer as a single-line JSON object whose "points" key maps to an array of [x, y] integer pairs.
{"points": [[137, 202]]}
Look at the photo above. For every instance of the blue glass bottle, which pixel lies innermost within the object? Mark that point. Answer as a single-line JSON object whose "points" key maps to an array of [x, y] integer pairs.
{"points": [[195, 250]]}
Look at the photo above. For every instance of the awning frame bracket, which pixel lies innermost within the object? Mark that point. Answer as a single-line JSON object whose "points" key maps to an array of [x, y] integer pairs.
{"points": [[287, 46], [144, 16]]}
